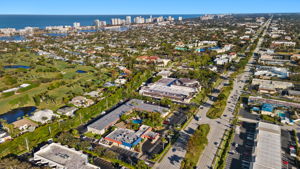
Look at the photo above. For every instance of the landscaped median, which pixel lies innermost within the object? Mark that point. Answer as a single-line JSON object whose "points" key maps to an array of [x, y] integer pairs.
{"points": [[219, 106], [220, 161], [195, 147]]}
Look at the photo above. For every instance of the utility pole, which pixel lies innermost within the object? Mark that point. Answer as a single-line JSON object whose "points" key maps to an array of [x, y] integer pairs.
{"points": [[80, 118], [49, 130], [106, 103], [27, 146]]}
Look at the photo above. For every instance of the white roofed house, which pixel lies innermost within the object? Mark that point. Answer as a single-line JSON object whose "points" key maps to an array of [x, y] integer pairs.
{"points": [[163, 62], [43, 116], [80, 101], [93, 94], [164, 73], [223, 59], [68, 111], [4, 136], [121, 81]]}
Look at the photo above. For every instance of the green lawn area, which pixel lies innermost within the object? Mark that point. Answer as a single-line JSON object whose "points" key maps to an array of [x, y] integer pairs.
{"points": [[195, 147], [4, 102], [17, 145], [59, 71], [219, 106]]}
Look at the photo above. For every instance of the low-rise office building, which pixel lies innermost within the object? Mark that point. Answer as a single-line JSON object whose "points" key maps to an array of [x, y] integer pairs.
{"points": [[267, 72], [267, 154], [283, 43], [272, 60], [61, 157], [271, 86], [128, 139], [179, 90], [100, 126], [124, 138]]}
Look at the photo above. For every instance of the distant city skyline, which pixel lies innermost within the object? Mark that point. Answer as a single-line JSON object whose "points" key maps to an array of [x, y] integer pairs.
{"points": [[133, 7]]}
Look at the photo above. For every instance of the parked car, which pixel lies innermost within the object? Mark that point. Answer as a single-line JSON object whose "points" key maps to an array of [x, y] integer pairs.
{"points": [[293, 151], [197, 117]]}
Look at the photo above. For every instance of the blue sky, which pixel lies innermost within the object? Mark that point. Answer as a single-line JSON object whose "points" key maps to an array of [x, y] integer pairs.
{"points": [[146, 7]]}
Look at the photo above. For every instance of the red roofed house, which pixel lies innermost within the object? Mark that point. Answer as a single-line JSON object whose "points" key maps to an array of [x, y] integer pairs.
{"points": [[148, 58]]}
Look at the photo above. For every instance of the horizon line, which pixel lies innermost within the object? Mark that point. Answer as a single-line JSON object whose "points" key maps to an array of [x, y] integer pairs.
{"points": [[168, 14]]}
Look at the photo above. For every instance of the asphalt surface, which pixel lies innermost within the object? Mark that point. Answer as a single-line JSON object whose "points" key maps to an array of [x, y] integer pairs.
{"points": [[174, 157], [176, 154], [239, 152], [218, 126]]}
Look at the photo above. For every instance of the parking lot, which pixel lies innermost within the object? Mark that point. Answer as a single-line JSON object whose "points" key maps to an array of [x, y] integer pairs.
{"points": [[103, 164], [287, 141], [240, 154], [124, 152], [150, 149]]}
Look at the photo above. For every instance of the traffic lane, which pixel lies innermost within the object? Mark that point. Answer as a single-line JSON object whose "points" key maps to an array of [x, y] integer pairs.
{"points": [[215, 137], [218, 131], [174, 157], [177, 152]]}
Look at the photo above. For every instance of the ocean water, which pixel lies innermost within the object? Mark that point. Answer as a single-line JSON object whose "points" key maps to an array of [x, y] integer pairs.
{"points": [[12, 38], [41, 21]]}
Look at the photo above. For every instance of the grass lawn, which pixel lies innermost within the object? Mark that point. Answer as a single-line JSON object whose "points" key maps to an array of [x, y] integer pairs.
{"points": [[195, 147], [4, 102], [76, 80]]}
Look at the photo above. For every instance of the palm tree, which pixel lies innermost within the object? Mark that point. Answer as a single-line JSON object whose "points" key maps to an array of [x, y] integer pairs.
{"points": [[164, 140]]}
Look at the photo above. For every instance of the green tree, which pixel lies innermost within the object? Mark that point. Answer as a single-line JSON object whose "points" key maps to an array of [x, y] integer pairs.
{"points": [[142, 165], [8, 80]]}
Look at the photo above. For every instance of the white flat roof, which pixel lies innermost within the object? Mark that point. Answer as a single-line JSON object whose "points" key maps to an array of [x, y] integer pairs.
{"points": [[64, 156], [268, 148], [179, 90]]}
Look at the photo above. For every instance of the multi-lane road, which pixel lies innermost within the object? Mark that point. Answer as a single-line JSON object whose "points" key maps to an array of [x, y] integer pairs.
{"points": [[173, 158], [219, 126], [175, 155]]}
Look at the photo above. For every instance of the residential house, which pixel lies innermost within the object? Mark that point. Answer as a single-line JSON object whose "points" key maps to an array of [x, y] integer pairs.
{"points": [[43, 116], [67, 111], [80, 101], [4, 136], [25, 125]]}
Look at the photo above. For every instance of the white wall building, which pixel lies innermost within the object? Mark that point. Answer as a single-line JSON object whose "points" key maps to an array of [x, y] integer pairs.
{"points": [[61, 157], [139, 20], [128, 20], [76, 25]]}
